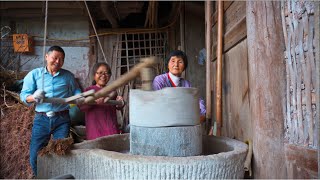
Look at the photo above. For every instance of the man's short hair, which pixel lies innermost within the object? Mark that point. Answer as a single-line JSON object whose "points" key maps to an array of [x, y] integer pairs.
{"points": [[56, 48]]}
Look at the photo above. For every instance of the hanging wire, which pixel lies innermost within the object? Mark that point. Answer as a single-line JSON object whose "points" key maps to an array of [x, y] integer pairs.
{"points": [[44, 43], [95, 31]]}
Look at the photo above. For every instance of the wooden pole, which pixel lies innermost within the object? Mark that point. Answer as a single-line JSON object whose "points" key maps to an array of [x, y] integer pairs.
{"points": [[267, 82], [208, 11], [219, 69], [182, 33], [182, 22], [316, 28]]}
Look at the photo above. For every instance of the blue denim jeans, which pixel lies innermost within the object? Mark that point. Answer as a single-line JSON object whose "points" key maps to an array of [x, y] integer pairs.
{"points": [[43, 127]]}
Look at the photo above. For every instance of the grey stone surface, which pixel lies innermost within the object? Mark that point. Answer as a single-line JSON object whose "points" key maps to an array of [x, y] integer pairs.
{"points": [[166, 141], [166, 107], [224, 159]]}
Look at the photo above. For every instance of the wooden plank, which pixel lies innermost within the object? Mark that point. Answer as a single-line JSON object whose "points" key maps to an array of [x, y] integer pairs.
{"points": [[231, 38], [145, 45], [125, 112], [133, 48], [127, 51], [236, 107], [226, 5], [114, 58], [63, 43], [234, 14], [118, 56], [236, 34]]}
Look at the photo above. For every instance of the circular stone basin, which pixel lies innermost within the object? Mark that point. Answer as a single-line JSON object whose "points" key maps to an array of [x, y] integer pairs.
{"points": [[109, 158]]}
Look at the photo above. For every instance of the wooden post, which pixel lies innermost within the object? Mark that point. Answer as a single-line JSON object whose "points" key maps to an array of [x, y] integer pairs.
{"points": [[317, 29], [182, 23], [182, 33], [219, 69], [267, 87], [208, 11]]}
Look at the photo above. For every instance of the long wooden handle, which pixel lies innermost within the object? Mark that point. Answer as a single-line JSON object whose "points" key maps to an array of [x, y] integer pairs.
{"points": [[64, 101], [122, 80]]}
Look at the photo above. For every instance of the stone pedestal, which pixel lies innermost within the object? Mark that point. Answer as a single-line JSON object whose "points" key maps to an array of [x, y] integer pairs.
{"points": [[179, 141]]}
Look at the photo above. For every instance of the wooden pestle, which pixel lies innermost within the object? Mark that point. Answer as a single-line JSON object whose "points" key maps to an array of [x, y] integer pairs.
{"points": [[130, 75]]}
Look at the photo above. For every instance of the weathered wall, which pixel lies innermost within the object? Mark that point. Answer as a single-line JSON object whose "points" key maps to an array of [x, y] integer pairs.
{"points": [[70, 31], [300, 23], [267, 87]]}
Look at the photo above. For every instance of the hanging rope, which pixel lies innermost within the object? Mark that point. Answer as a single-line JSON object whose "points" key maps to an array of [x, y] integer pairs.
{"points": [[95, 31], [44, 43]]}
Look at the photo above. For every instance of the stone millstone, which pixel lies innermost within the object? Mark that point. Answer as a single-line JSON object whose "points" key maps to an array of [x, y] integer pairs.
{"points": [[164, 108], [166, 141]]}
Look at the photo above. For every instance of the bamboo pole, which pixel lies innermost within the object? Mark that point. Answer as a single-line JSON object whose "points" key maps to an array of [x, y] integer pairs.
{"points": [[247, 162], [208, 11], [219, 70]]}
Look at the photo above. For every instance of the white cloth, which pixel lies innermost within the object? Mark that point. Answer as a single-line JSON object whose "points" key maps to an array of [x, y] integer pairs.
{"points": [[175, 79]]}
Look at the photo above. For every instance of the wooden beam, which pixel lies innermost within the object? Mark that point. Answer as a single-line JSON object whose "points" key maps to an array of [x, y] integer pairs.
{"points": [[194, 9], [40, 5], [63, 43], [176, 6], [27, 13], [109, 13], [267, 82]]}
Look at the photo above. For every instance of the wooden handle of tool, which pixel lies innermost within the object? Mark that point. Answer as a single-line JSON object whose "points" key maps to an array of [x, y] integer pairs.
{"points": [[122, 80], [55, 100], [63, 101], [115, 103]]}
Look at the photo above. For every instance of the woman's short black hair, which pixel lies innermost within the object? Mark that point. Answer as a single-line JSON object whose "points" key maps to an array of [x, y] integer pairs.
{"points": [[96, 67], [180, 54]]}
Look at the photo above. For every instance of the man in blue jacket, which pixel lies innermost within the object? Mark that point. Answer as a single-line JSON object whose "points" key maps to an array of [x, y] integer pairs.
{"points": [[50, 119]]}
